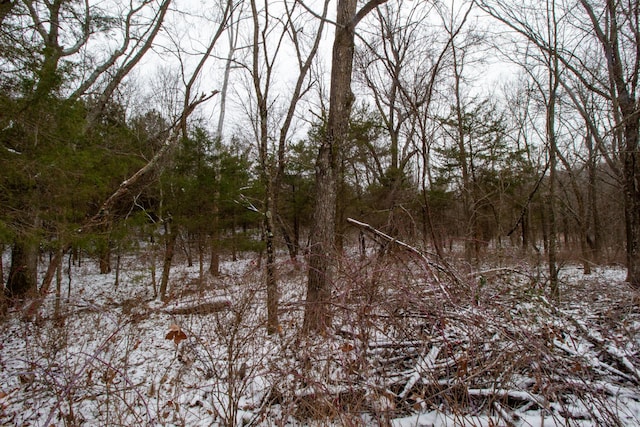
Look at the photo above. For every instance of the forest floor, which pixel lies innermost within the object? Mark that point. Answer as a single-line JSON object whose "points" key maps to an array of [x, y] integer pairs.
{"points": [[412, 344]]}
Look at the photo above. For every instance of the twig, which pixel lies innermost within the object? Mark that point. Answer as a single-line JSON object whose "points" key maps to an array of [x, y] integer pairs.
{"points": [[427, 263], [594, 362], [611, 350]]}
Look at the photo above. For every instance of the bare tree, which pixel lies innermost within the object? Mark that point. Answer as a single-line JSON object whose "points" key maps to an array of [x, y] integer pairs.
{"points": [[389, 64], [322, 239], [459, 61], [271, 36], [233, 38], [617, 28], [613, 26], [553, 74]]}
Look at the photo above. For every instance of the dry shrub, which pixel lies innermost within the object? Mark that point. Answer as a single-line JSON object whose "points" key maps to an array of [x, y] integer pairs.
{"points": [[490, 343], [408, 337]]}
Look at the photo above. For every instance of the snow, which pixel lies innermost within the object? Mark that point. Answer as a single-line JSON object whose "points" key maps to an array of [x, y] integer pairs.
{"points": [[401, 353]]}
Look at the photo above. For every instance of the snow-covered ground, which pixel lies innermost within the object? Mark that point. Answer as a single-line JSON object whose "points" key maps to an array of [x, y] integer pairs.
{"points": [[410, 346]]}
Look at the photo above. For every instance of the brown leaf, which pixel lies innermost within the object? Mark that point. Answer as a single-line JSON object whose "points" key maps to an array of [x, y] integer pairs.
{"points": [[176, 334], [346, 347], [109, 375]]}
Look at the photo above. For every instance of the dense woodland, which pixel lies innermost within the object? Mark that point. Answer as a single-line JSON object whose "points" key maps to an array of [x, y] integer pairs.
{"points": [[218, 129], [385, 208]]}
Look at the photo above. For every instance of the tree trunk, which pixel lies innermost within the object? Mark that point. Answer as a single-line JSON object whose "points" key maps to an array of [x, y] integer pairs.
{"points": [[632, 200], [593, 228], [623, 93], [341, 206], [214, 263], [1, 263], [116, 282], [321, 250], [552, 150], [234, 239], [201, 245], [471, 237], [105, 257], [54, 266], [23, 277], [185, 239], [525, 230], [292, 245], [272, 280], [56, 309], [170, 244], [322, 239]]}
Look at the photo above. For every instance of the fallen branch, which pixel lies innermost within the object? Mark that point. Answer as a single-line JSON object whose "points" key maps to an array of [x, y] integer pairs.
{"points": [[199, 307], [425, 364], [505, 414], [171, 136], [613, 351], [427, 263]]}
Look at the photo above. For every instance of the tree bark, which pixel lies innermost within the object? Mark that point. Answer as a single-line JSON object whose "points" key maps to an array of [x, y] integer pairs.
{"points": [[322, 238], [170, 244], [105, 258], [22, 280]]}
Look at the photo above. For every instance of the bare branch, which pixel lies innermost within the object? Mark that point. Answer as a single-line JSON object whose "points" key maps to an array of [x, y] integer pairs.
{"points": [[428, 263], [364, 11], [128, 66]]}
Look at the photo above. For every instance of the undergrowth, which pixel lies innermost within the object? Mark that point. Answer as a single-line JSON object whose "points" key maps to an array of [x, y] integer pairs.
{"points": [[409, 339]]}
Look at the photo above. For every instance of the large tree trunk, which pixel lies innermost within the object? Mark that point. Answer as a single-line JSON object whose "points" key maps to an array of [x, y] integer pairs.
{"points": [[23, 277], [322, 239], [632, 199], [553, 151], [321, 250]]}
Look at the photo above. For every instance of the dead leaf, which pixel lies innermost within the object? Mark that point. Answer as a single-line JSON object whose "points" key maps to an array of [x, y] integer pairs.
{"points": [[346, 347], [109, 375], [176, 334]]}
